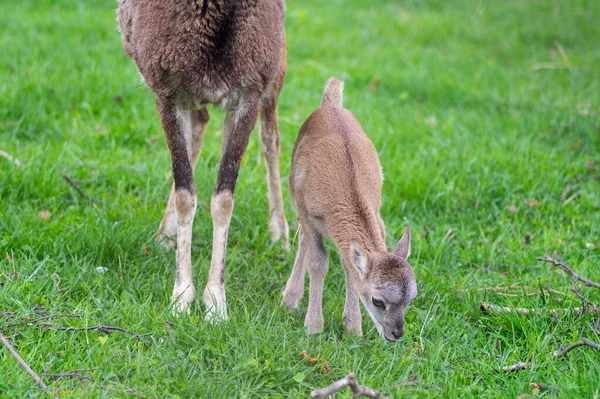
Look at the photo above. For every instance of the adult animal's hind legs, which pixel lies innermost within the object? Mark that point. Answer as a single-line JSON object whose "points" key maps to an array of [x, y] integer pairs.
{"points": [[167, 232], [269, 135], [177, 126], [239, 123]]}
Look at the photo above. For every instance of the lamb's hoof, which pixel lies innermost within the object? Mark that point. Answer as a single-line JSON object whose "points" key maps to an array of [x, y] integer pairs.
{"points": [[216, 305], [314, 326], [291, 300]]}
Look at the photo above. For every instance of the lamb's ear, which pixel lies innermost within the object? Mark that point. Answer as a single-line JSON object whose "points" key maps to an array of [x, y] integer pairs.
{"points": [[358, 259], [403, 248]]}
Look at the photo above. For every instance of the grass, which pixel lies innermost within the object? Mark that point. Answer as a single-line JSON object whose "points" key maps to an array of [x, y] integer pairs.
{"points": [[466, 125]]}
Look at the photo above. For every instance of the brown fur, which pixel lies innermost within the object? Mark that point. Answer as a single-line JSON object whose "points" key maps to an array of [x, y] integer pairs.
{"points": [[230, 53], [336, 182]]}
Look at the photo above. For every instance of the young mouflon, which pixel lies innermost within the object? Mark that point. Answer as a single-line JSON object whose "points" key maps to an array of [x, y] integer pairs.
{"points": [[230, 53], [335, 183]]}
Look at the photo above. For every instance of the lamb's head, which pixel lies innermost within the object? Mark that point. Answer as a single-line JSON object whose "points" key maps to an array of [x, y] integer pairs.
{"points": [[386, 284]]}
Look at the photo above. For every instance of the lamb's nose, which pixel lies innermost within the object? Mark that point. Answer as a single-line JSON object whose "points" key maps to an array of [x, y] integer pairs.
{"points": [[397, 334]]}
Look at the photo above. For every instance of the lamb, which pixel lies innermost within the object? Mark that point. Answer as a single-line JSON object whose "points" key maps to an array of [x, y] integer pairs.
{"points": [[230, 53], [335, 184]]}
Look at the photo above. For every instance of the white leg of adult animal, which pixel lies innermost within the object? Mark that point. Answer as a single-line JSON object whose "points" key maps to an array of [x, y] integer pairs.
{"points": [[238, 126], [168, 227], [351, 314], [294, 288], [177, 126], [317, 268]]}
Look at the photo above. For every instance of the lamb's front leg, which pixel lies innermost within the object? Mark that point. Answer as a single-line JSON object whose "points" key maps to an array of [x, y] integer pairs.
{"points": [[177, 134], [238, 126], [317, 268], [351, 315]]}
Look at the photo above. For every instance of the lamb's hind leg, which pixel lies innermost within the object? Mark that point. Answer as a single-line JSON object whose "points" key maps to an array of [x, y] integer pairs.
{"points": [[167, 232], [177, 126], [269, 135], [294, 288], [317, 268], [238, 126]]}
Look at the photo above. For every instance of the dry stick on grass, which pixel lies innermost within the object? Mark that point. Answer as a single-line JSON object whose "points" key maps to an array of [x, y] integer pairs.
{"points": [[22, 363], [566, 269], [495, 309], [100, 328], [79, 189], [10, 158], [584, 302], [569, 348], [35, 321], [347, 381], [515, 367]]}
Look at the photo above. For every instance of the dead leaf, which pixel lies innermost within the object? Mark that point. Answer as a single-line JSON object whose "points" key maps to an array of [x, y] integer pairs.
{"points": [[534, 202], [590, 165], [146, 252], [326, 369], [44, 215], [374, 84], [513, 209]]}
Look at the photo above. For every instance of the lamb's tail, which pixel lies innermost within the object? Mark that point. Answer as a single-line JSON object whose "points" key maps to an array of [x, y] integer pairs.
{"points": [[332, 96]]}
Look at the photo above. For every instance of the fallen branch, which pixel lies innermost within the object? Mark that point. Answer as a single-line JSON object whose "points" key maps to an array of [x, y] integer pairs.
{"points": [[347, 381], [495, 309], [100, 328], [577, 344], [585, 302], [515, 367], [566, 269], [10, 158], [542, 387], [21, 362], [79, 189], [29, 320]]}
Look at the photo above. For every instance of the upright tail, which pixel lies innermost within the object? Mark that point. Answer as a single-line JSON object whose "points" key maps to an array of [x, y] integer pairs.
{"points": [[332, 96]]}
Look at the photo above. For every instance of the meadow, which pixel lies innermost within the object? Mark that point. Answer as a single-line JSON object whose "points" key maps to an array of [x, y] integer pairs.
{"points": [[486, 117]]}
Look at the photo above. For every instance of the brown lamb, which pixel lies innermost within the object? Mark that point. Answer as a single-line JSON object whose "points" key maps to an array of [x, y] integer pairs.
{"points": [[335, 183]]}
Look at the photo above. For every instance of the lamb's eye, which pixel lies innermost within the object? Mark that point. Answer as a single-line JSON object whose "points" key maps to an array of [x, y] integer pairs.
{"points": [[378, 303]]}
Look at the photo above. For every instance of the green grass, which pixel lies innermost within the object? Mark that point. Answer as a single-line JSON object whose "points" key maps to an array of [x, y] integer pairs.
{"points": [[465, 127]]}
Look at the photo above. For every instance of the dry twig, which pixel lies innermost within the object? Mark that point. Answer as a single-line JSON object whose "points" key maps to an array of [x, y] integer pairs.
{"points": [[577, 344], [79, 189], [30, 320], [100, 328], [495, 309], [347, 381], [10, 158], [22, 363], [515, 367], [566, 269]]}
